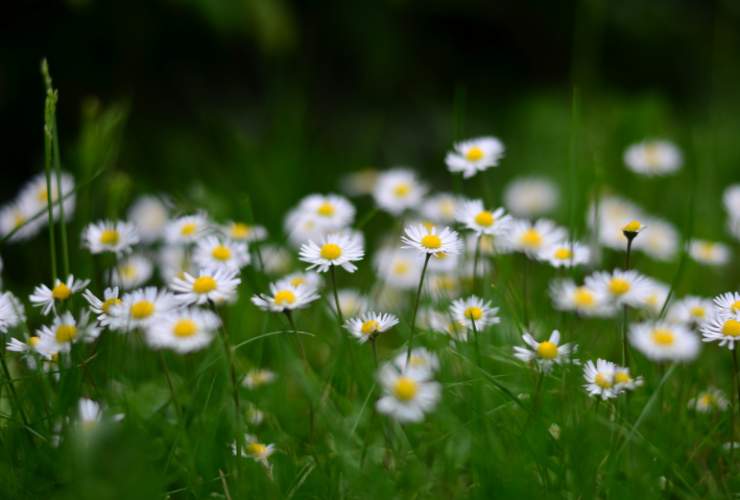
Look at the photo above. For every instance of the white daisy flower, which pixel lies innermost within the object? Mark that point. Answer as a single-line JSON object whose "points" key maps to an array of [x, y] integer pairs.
{"points": [[301, 227], [284, 296], [621, 287], [421, 364], [63, 332], [140, 308], [308, 279], [132, 272], [609, 215], [443, 286], [46, 298], [691, 311], [474, 155], [728, 303], [546, 353], [489, 245], [663, 341], [531, 197], [213, 252], [240, 231], [407, 395], [659, 240], [258, 377], [530, 238], [351, 302], [440, 208], [567, 296], [110, 236], [444, 323], [19, 213], [332, 212], [474, 312], [476, 218], [36, 195], [431, 240], [101, 308], [149, 214], [12, 312], [186, 229], [624, 381], [398, 268], [710, 253], [89, 413], [359, 183], [731, 201], [724, 329], [259, 452], [397, 190], [183, 330], [215, 285], [599, 378], [653, 296], [369, 325], [653, 157], [339, 249], [25, 349], [566, 254], [174, 261], [709, 400]]}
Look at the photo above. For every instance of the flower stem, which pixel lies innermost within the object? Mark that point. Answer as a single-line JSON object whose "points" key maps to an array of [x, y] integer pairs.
{"points": [[477, 345], [171, 386], [11, 386], [416, 307], [375, 352], [475, 263], [340, 317], [735, 407], [48, 140]]}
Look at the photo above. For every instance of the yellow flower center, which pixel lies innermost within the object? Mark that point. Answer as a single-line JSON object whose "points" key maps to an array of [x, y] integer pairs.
{"points": [[402, 190], [204, 284], [128, 271], [619, 286], [473, 312], [142, 309], [284, 297], [632, 226], [531, 238], [431, 241], [188, 229], [663, 337], [65, 333], [33, 341], [447, 208], [697, 312], [417, 361], [239, 231], [401, 268], [602, 381], [109, 303], [484, 218], [735, 306], [622, 378], [583, 297], [221, 252], [331, 251], [61, 292], [42, 195], [474, 154], [109, 237], [297, 281], [547, 350], [185, 328], [706, 250], [652, 155], [326, 209], [563, 253], [256, 449], [370, 326], [18, 219], [731, 328], [440, 255], [405, 388]]}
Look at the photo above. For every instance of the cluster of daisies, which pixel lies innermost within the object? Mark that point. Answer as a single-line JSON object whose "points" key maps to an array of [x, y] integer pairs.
{"points": [[443, 247]]}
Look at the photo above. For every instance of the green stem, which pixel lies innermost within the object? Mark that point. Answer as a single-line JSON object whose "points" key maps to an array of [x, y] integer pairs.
{"points": [[736, 406], [47, 173], [416, 307], [62, 221], [477, 345], [171, 386], [475, 263], [13, 392], [340, 317]]}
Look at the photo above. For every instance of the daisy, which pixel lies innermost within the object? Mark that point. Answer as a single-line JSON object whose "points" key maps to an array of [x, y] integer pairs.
{"points": [[421, 363], [654, 296], [662, 341], [340, 249], [140, 308], [474, 155], [369, 325], [359, 183], [691, 311], [239, 231], [531, 196], [442, 262], [710, 253], [567, 296], [440, 208], [397, 190], [624, 381], [132, 272], [620, 287], [213, 252], [407, 396], [709, 400], [351, 302], [474, 312], [659, 240], [258, 377], [610, 214], [183, 330], [442, 286], [258, 451], [215, 285], [476, 218], [102, 307], [731, 201], [284, 296], [149, 214], [332, 212], [599, 378], [398, 268], [63, 332], [18, 216], [654, 157], [301, 227], [546, 353], [444, 323], [566, 254], [431, 240], [36, 195], [25, 349], [186, 229], [488, 245], [89, 413], [12, 312], [308, 279], [46, 298], [724, 329], [276, 259], [531, 238], [728, 303], [110, 236]]}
